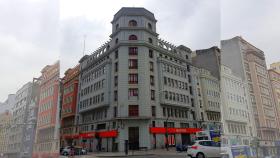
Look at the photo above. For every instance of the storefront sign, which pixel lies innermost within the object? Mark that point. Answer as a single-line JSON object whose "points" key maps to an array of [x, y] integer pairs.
{"points": [[102, 134], [162, 130]]}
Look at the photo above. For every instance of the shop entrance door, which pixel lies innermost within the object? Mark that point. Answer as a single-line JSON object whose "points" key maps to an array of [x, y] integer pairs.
{"points": [[133, 138]]}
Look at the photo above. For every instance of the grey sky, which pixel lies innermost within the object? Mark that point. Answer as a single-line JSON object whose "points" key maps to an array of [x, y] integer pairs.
{"points": [[28, 41], [257, 21], [34, 33]]}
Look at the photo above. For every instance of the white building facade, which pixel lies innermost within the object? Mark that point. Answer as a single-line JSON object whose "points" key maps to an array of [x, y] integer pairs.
{"points": [[237, 119]]}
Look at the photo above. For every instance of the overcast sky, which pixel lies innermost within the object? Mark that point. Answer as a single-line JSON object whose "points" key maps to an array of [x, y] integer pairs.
{"points": [[34, 33]]}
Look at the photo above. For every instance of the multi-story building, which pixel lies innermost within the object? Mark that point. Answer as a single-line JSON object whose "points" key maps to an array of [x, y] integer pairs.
{"points": [[48, 124], [248, 62], [8, 104], [5, 119], [237, 117], [274, 76], [275, 66], [208, 62], [136, 87], [69, 132], [22, 130]]}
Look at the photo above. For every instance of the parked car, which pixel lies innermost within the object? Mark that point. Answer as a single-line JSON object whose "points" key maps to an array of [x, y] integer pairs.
{"points": [[65, 151], [204, 148]]}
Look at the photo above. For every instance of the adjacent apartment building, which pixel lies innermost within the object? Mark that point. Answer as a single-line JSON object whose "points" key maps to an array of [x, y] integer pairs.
{"points": [[5, 123], [208, 64], [237, 114], [248, 62], [274, 76], [22, 128], [136, 87], [48, 123], [69, 130]]}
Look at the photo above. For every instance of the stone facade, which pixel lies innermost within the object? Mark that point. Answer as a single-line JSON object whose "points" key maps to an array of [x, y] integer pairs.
{"points": [[136, 85], [248, 62], [237, 115]]}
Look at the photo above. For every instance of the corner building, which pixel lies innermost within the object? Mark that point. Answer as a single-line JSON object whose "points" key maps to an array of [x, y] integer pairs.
{"points": [[135, 87]]}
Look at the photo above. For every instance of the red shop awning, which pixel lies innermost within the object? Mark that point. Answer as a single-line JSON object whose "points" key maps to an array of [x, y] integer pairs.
{"points": [[162, 130], [102, 134]]}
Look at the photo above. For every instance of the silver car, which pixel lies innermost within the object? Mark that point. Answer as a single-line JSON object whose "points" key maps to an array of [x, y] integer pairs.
{"points": [[204, 149]]}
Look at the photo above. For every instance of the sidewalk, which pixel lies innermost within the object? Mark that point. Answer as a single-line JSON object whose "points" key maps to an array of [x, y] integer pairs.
{"points": [[171, 151]]}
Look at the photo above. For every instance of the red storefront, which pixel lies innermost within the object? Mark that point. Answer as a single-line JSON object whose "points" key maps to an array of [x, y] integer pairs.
{"points": [[171, 133]]}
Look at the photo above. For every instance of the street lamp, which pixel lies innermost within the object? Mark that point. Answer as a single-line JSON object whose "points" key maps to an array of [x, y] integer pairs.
{"points": [[166, 133]]}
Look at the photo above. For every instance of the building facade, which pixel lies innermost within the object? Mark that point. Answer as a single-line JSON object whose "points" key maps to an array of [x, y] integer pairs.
{"points": [[68, 132], [8, 104], [274, 77], [275, 66], [5, 120], [248, 62], [237, 115], [22, 131], [136, 87], [48, 124]]}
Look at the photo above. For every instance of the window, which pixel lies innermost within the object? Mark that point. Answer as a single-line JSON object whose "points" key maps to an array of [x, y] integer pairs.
{"points": [[117, 26], [132, 23], [153, 111], [116, 54], [116, 80], [133, 110], [187, 57], [132, 50], [151, 66], [150, 26], [132, 64], [115, 111], [132, 37], [115, 95], [150, 41], [152, 80], [117, 41], [116, 67], [133, 78], [152, 94], [151, 54], [133, 92]]}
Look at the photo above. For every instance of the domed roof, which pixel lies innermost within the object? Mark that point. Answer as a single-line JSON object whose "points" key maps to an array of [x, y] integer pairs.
{"points": [[132, 11]]}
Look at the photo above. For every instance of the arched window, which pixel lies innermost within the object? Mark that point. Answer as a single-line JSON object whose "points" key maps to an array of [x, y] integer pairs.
{"points": [[132, 37], [117, 26], [117, 41], [132, 23], [150, 26], [150, 41]]}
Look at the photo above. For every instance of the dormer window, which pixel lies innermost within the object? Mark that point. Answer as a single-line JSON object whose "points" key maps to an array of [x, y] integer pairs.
{"points": [[132, 23], [150, 41], [117, 26], [150, 26], [132, 37], [108, 47]]}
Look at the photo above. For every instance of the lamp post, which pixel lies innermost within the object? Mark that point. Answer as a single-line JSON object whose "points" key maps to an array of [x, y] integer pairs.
{"points": [[166, 133]]}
